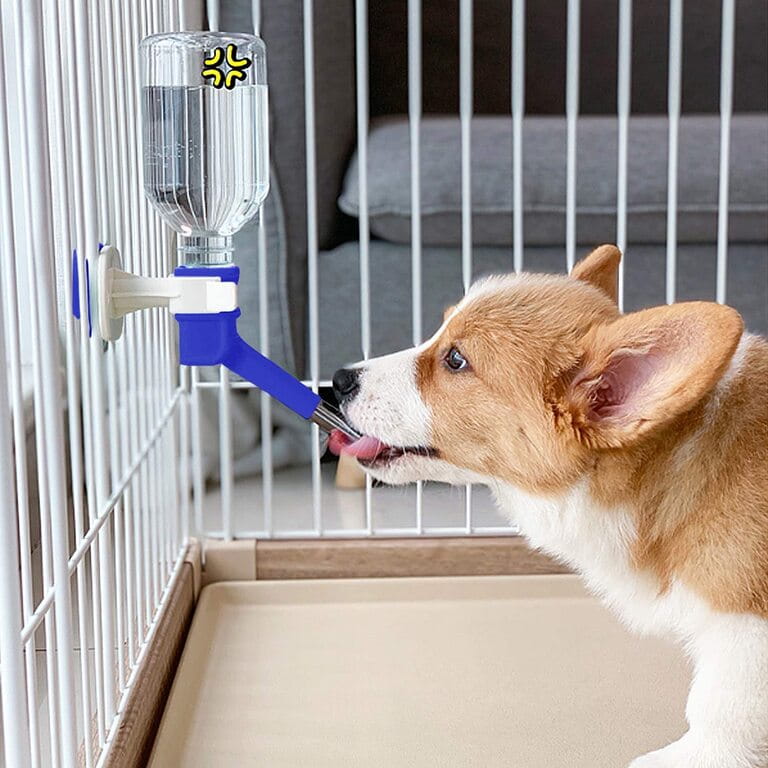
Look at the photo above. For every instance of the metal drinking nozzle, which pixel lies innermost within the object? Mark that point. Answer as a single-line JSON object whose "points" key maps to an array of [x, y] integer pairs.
{"points": [[328, 418]]}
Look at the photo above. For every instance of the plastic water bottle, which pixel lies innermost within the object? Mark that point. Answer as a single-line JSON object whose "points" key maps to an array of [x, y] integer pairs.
{"points": [[205, 136]]}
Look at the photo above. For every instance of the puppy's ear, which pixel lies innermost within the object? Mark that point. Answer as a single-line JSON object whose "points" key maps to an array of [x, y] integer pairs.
{"points": [[646, 368], [448, 311], [601, 269]]}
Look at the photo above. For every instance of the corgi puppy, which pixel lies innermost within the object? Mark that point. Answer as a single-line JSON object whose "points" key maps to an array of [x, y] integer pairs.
{"points": [[632, 447]]}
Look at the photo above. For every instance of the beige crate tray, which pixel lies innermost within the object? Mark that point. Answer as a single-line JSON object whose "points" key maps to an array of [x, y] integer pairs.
{"points": [[520, 672]]}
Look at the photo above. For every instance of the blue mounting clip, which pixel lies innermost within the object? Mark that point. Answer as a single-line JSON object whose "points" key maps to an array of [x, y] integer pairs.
{"points": [[212, 339]]}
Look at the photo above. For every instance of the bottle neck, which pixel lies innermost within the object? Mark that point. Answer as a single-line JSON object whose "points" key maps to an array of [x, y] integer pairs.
{"points": [[195, 250]]}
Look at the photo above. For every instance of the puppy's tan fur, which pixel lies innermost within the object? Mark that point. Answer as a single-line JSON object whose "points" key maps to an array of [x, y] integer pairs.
{"points": [[534, 348]]}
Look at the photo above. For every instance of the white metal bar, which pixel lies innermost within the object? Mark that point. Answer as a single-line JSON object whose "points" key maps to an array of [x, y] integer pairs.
{"points": [[212, 10], [225, 449], [624, 99], [673, 111], [312, 247], [518, 112], [13, 691], [726, 108], [267, 471], [256, 17], [119, 152], [13, 356], [249, 385], [414, 131], [226, 465], [69, 42], [198, 491], [61, 170], [414, 126], [36, 163], [128, 358], [45, 495], [364, 229], [103, 554], [361, 61], [383, 533], [572, 115], [465, 120]]}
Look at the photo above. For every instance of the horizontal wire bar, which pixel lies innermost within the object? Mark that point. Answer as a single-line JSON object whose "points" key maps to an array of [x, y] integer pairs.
{"points": [[355, 533], [248, 385]]}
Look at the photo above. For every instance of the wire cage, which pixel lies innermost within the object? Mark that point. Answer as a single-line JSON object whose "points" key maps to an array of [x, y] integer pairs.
{"points": [[102, 481]]}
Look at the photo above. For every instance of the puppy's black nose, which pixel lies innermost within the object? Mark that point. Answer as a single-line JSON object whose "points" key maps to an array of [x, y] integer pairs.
{"points": [[346, 382]]}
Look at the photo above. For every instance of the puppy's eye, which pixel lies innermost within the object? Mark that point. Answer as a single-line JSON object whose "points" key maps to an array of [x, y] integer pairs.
{"points": [[455, 361]]}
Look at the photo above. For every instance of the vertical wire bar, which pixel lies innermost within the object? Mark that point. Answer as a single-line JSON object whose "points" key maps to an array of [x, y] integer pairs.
{"points": [[673, 110], [104, 118], [114, 44], [198, 479], [169, 511], [103, 553], [518, 112], [77, 193], [212, 11], [264, 399], [129, 180], [465, 119], [39, 197], [140, 27], [13, 352], [414, 130], [159, 252], [60, 171], [267, 470], [172, 379], [14, 689], [726, 108], [225, 451], [151, 258], [153, 372], [25, 117], [312, 248], [624, 104], [226, 465], [571, 115], [364, 229]]}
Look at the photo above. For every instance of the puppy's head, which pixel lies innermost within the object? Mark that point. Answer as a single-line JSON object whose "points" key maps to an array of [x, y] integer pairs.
{"points": [[528, 376]]}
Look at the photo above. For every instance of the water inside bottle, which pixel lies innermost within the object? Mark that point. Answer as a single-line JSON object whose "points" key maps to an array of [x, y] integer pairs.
{"points": [[206, 156]]}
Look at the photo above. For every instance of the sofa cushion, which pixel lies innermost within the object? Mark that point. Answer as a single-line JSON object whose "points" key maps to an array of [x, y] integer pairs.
{"points": [[544, 180]]}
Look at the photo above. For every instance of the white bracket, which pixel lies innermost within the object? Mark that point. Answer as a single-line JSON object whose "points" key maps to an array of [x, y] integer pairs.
{"points": [[114, 293]]}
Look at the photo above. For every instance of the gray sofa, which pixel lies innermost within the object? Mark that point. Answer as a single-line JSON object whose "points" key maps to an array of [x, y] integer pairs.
{"points": [[544, 161]]}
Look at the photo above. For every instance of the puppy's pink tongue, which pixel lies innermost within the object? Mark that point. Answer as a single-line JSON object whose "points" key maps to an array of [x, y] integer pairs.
{"points": [[364, 448], [336, 441]]}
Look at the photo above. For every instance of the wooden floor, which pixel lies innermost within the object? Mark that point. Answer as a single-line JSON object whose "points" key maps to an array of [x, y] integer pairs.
{"points": [[513, 671]]}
